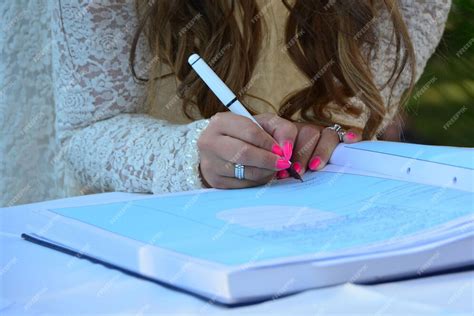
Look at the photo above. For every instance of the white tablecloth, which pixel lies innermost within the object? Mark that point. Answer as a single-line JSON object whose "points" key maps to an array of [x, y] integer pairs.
{"points": [[38, 280]]}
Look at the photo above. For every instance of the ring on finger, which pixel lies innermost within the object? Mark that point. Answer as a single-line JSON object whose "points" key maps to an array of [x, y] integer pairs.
{"points": [[339, 130], [239, 171]]}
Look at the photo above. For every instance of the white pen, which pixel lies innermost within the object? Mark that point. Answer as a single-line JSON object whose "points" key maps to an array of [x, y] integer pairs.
{"points": [[225, 95], [220, 89]]}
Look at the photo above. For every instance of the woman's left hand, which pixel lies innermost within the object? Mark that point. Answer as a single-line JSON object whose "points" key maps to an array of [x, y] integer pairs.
{"points": [[314, 146]]}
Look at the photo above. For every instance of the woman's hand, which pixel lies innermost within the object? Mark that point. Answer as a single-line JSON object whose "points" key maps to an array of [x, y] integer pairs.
{"points": [[314, 146], [231, 139]]}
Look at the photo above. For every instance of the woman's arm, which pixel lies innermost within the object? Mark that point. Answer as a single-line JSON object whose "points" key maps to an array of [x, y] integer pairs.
{"points": [[425, 22], [136, 153], [106, 138]]}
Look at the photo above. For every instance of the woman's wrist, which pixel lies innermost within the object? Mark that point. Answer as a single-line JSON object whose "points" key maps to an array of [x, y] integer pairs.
{"points": [[203, 180]]}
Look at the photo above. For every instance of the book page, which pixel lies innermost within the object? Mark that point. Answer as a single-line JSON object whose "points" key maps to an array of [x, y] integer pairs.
{"points": [[327, 213], [435, 165], [452, 156]]}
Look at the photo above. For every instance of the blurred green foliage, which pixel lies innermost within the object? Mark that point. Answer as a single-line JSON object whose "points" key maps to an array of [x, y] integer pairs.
{"points": [[441, 109]]}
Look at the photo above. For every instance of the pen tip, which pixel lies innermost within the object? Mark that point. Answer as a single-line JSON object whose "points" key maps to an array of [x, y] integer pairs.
{"points": [[294, 174]]}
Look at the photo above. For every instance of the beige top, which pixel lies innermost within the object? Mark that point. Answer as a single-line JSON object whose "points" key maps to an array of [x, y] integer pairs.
{"points": [[275, 76], [113, 142]]}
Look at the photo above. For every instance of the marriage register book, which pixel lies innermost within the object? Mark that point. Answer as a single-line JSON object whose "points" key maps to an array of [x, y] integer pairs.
{"points": [[379, 211]]}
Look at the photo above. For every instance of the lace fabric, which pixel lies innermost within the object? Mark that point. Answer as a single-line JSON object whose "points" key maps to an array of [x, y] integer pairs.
{"points": [[73, 118], [107, 144], [425, 20], [27, 138]]}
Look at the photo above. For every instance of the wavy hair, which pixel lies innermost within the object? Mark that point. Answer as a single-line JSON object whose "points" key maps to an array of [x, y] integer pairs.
{"points": [[325, 40]]}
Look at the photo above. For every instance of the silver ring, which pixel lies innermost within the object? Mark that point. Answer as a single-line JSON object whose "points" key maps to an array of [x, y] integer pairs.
{"points": [[339, 130], [239, 171]]}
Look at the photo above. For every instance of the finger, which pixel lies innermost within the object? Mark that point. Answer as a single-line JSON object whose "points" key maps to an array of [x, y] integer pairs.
{"points": [[323, 151], [222, 182], [243, 128], [282, 130], [308, 137], [353, 135], [227, 169], [215, 180], [236, 151], [282, 174]]}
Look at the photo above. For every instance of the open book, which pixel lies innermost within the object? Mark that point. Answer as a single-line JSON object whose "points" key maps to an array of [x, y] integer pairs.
{"points": [[378, 211]]}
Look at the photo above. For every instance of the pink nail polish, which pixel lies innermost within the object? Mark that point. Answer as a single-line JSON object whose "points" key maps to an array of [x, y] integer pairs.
{"points": [[314, 163], [282, 174], [276, 149], [288, 149], [350, 135], [297, 167], [283, 164]]}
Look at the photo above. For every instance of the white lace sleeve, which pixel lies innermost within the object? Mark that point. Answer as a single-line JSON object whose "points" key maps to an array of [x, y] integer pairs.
{"points": [[425, 21], [107, 140]]}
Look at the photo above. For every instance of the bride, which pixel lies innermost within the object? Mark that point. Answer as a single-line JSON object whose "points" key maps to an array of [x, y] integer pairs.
{"points": [[99, 97]]}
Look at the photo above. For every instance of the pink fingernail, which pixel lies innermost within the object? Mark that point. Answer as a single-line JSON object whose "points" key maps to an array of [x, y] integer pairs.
{"points": [[288, 149], [351, 135], [297, 167], [276, 149], [314, 163], [283, 164], [282, 174]]}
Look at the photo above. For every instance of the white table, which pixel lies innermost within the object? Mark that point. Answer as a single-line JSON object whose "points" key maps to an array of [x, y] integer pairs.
{"points": [[38, 280]]}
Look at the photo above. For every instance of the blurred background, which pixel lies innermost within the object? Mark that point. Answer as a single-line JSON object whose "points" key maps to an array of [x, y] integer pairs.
{"points": [[441, 109]]}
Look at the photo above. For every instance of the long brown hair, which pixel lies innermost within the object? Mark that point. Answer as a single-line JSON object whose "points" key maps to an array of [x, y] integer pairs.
{"points": [[325, 40]]}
